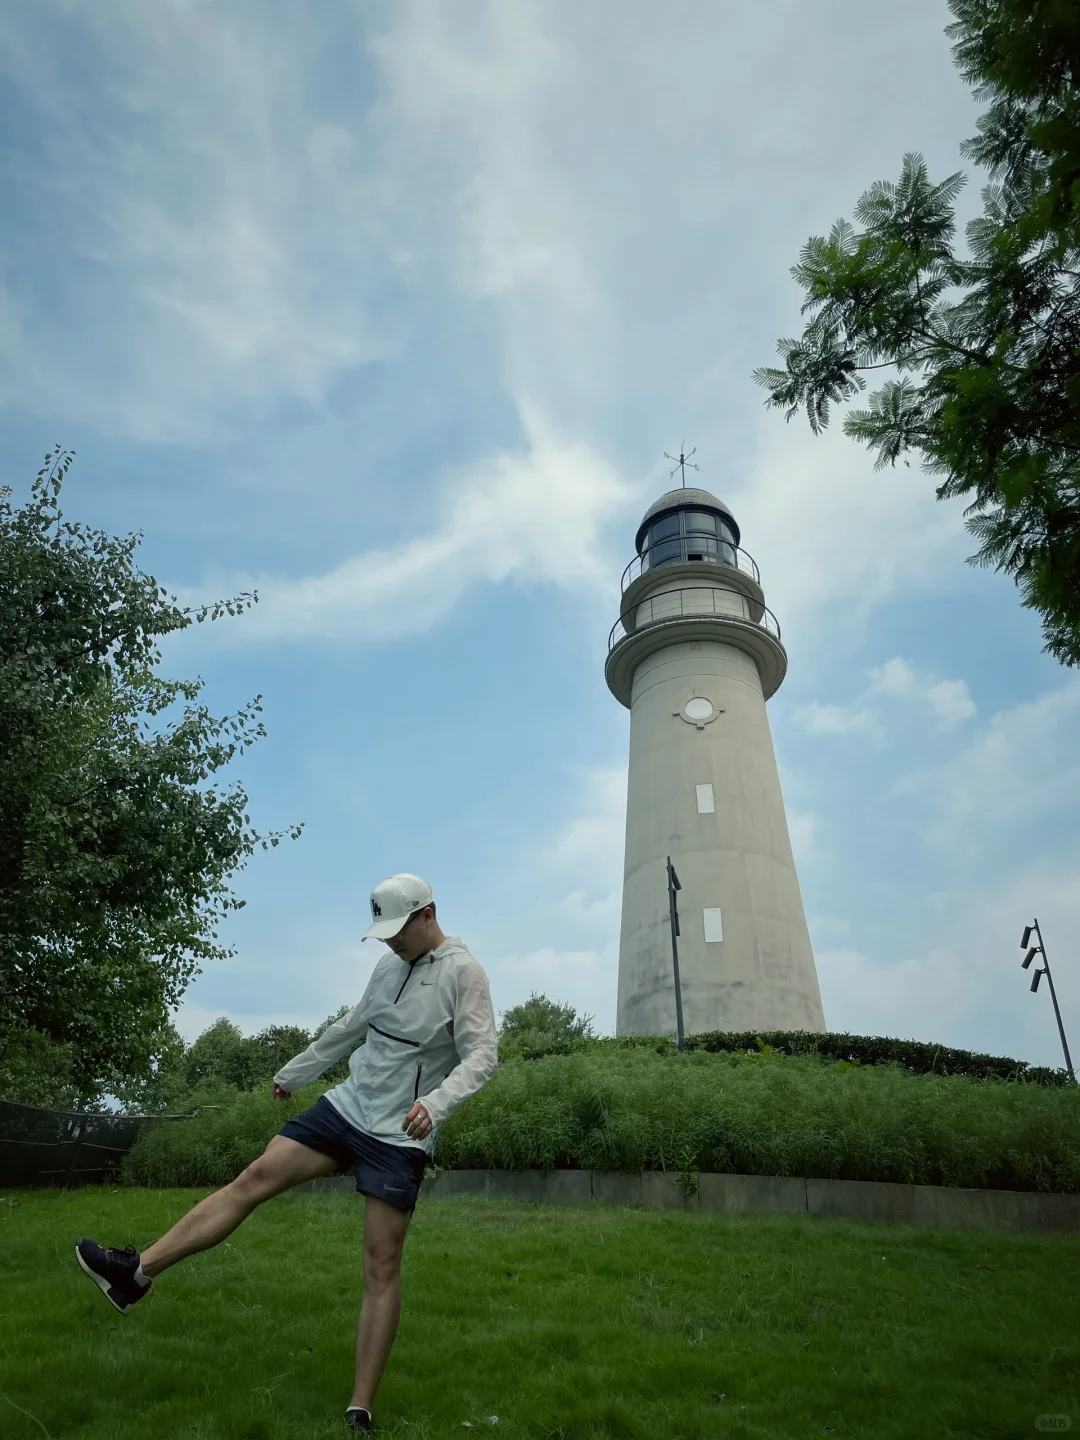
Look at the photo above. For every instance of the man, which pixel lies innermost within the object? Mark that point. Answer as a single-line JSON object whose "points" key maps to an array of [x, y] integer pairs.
{"points": [[429, 1033]]}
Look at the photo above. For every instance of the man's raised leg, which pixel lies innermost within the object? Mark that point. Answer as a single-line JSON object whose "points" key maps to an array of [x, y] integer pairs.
{"points": [[124, 1276], [283, 1164], [385, 1229]]}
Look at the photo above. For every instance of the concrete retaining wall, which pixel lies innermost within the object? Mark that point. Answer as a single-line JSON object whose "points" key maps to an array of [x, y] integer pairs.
{"points": [[761, 1195]]}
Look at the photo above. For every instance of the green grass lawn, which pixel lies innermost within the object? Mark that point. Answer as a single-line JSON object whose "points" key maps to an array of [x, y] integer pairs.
{"points": [[564, 1322]]}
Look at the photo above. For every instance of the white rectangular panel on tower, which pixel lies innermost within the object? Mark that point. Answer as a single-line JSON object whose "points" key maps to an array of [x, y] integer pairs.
{"points": [[706, 805], [714, 924]]}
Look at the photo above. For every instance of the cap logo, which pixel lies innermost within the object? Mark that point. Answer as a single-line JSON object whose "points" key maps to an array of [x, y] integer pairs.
{"points": [[376, 909]]}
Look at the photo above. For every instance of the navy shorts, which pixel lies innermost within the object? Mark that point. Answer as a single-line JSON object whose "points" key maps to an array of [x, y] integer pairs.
{"points": [[389, 1172]]}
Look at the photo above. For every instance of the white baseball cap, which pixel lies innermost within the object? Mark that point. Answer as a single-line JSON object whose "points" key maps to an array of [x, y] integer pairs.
{"points": [[393, 901]]}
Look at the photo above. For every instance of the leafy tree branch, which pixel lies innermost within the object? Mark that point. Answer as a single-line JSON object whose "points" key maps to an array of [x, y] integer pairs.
{"points": [[986, 344]]}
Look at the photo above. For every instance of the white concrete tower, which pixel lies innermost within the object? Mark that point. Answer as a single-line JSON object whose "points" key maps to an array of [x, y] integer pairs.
{"points": [[695, 655]]}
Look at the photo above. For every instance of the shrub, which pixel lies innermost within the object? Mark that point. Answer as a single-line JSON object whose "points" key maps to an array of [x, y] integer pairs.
{"points": [[214, 1145], [630, 1108], [539, 1026]]}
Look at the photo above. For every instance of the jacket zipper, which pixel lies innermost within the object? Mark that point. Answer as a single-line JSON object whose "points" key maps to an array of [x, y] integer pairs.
{"points": [[404, 982], [400, 1038], [416, 1087]]}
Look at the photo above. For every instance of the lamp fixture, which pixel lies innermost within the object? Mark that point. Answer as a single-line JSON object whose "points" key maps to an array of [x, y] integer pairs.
{"points": [[1040, 949]]}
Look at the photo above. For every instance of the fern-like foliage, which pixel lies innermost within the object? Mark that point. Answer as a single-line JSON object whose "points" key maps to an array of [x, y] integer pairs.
{"points": [[983, 347]]}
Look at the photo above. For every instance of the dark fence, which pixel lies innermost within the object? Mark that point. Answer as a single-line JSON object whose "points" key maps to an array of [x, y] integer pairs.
{"points": [[53, 1147]]}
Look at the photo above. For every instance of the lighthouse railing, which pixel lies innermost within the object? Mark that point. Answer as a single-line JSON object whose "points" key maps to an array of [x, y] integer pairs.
{"points": [[703, 549], [693, 602]]}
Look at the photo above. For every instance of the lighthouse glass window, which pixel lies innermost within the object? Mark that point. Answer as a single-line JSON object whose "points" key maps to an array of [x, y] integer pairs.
{"points": [[689, 535], [664, 544], [700, 535]]}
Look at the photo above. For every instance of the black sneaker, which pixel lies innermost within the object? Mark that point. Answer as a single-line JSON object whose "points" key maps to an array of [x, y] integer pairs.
{"points": [[113, 1272], [357, 1418]]}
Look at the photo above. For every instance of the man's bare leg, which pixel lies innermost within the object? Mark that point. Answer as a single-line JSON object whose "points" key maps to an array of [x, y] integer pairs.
{"points": [[385, 1229], [283, 1164]]}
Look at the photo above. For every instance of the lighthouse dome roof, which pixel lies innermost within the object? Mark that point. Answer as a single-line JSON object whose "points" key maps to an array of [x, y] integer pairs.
{"points": [[685, 498]]}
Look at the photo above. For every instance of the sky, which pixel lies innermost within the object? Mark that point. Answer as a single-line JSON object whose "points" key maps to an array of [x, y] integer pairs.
{"points": [[390, 312]]}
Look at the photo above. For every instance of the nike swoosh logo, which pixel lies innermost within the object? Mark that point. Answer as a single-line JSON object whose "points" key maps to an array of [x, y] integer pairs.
{"points": [[427, 982]]}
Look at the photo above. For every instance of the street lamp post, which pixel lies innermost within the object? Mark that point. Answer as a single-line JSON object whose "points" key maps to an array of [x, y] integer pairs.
{"points": [[1032, 951], [673, 913]]}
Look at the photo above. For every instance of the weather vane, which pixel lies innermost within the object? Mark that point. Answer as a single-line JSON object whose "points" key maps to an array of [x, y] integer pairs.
{"points": [[681, 461]]}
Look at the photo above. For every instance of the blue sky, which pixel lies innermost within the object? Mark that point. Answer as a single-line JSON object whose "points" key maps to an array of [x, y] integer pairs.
{"points": [[391, 311]]}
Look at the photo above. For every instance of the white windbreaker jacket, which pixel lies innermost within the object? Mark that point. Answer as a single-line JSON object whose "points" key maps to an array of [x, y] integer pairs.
{"points": [[429, 1034]]}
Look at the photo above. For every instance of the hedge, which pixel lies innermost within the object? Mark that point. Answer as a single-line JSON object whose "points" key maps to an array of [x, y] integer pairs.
{"points": [[916, 1056]]}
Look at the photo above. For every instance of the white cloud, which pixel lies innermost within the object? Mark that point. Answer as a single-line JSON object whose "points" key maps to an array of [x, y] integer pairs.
{"points": [[833, 538], [503, 111], [256, 230], [578, 871], [920, 997], [802, 829], [272, 200], [965, 987], [997, 817], [948, 700], [534, 518], [575, 977], [1022, 767], [264, 234], [305, 973], [235, 240], [837, 719], [568, 888]]}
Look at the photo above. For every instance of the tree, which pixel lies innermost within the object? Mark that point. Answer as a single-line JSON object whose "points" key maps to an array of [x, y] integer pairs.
{"points": [[223, 1053], [539, 1024], [116, 846], [218, 1062], [985, 349]]}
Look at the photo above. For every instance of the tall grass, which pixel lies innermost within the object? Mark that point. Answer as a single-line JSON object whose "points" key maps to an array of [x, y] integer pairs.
{"points": [[797, 1116], [639, 1110], [215, 1145]]}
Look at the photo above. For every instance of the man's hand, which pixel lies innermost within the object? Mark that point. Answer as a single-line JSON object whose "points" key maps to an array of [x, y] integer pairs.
{"points": [[417, 1123], [280, 1094]]}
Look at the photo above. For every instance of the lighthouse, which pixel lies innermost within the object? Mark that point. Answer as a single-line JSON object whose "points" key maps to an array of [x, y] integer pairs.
{"points": [[694, 656]]}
